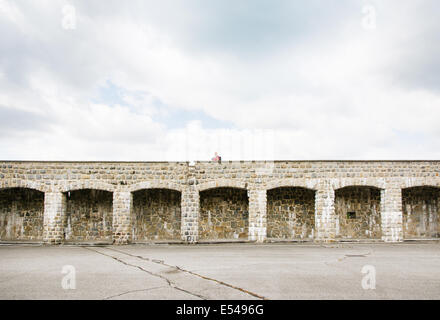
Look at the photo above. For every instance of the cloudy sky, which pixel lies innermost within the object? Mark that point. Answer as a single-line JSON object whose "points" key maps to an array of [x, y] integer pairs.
{"points": [[179, 80]]}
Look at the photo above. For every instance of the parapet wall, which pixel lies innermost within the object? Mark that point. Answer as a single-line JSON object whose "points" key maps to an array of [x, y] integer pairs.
{"points": [[123, 179]]}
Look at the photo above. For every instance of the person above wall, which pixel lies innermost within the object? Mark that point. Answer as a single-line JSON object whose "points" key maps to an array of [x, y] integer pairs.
{"points": [[217, 158]]}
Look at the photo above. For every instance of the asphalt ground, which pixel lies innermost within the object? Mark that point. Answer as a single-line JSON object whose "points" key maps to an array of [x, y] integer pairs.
{"points": [[222, 271]]}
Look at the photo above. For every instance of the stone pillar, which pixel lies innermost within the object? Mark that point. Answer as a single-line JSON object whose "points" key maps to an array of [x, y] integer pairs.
{"points": [[325, 216], [54, 212], [257, 215], [122, 220], [436, 221], [391, 214], [190, 204]]}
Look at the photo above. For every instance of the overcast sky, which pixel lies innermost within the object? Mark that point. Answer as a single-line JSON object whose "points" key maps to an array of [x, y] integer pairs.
{"points": [[179, 80]]}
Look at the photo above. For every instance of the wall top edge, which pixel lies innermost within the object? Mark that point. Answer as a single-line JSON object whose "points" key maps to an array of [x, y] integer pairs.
{"points": [[204, 162]]}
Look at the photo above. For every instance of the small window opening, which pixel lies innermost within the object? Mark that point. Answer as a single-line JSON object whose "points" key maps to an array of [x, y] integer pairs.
{"points": [[351, 215]]}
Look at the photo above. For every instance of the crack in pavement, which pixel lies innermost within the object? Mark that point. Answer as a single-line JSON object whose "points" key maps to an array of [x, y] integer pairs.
{"points": [[131, 291], [335, 263], [169, 282], [193, 273], [361, 255]]}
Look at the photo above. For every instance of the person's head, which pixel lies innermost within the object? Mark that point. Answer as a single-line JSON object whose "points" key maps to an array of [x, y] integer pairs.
{"points": [[216, 153]]}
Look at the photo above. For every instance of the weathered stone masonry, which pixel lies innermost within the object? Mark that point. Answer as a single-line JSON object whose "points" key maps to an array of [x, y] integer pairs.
{"points": [[156, 214], [224, 214], [290, 213], [125, 202], [21, 214], [357, 212], [89, 215]]}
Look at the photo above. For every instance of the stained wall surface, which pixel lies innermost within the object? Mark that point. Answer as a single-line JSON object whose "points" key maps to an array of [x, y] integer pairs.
{"points": [[89, 215], [223, 214], [390, 214], [421, 215], [157, 214], [21, 214], [358, 213], [291, 213]]}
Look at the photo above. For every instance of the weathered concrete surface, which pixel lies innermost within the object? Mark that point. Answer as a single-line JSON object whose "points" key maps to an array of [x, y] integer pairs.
{"points": [[227, 271]]}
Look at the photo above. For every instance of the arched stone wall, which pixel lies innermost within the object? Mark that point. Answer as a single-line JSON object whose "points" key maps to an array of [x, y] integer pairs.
{"points": [[154, 185], [80, 185], [21, 214], [224, 214], [421, 212], [56, 179], [358, 182], [291, 213], [419, 182], [18, 183], [156, 214], [358, 212], [311, 184], [88, 215], [222, 184]]}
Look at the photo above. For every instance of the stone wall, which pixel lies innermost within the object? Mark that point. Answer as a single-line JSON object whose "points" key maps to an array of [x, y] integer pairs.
{"points": [[291, 213], [21, 214], [224, 214], [358, 213], [157, 214], [89, 215], [421, 212], [255, 178]]}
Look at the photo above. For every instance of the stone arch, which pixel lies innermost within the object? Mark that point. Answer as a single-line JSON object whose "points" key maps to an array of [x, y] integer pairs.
{"points": [[156, 203], [310, 184], [156, 214], [155, 185], [421, 209], [90, 199], [222, 183], [18, 183], [291, 212], [358, 182], [358, 209], [224, 211], [88, 184], [21, 211], [420, 182]]}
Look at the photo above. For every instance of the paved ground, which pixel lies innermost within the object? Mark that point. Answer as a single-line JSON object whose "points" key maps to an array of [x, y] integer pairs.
{"points": [[227, 271]]}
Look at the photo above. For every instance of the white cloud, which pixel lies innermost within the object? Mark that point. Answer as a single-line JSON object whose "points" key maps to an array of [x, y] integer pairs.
{"points": [[329, 90]]}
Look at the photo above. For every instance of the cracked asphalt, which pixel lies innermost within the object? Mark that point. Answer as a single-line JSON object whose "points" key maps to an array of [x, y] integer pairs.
{"points": [[223, 271]]}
